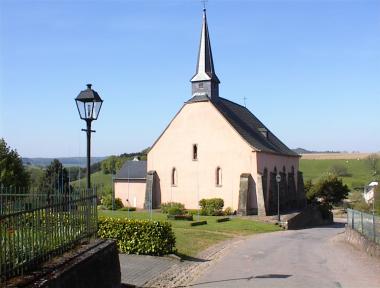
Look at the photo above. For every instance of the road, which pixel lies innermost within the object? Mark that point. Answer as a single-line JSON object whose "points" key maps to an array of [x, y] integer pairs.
{"points": [[315, 257]]}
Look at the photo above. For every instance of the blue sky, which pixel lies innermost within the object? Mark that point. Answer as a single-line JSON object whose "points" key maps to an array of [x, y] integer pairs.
{"points": [[310, 70]]}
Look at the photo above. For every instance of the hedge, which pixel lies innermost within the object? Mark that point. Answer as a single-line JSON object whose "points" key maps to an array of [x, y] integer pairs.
{"points": [[211, 207], [138, 236]]}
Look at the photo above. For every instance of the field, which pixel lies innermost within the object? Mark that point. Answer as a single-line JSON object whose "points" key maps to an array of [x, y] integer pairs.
{"points": [[340, 156], [358, 169], [99, 179], [191, 240]]}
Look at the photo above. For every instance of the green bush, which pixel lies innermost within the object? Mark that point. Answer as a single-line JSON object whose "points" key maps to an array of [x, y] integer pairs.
{"points": [[138, 236], [166, 206], [211, 207], [176, 211], [228, 211], [107, 202], [127, 209]]}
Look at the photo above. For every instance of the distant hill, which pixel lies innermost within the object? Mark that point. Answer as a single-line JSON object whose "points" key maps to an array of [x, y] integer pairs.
{"points": [[66, 161], [304, 151]]}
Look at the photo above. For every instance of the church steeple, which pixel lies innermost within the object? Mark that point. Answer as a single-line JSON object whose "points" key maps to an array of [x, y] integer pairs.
{"points": [[205, 81]]}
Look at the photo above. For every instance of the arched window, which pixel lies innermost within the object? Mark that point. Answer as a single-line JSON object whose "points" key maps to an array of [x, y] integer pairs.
{"points": [[174, 177], [218, 176], [195, 152], [275, 170], [292, 169], [283, 169]]}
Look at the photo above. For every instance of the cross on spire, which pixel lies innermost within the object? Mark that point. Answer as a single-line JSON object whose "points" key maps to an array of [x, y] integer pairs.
{"points": [[204, 4]]}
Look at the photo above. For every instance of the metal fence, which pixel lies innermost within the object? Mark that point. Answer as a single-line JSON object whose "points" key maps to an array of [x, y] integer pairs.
{"points": [[364, 223], [34, 227]]}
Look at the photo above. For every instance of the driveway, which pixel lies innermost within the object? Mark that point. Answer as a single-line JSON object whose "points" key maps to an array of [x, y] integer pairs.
{"points": [[315, 257]]}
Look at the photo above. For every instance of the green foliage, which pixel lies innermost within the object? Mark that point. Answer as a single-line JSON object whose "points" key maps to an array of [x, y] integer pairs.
{"points": [[130, 209], [357, 201], [106, 201], [138, 236], [359, 169], [373, 162], [328, 191], [12, 171], [228, 211], [55, 178], [377, 200], [212, 207], [166, 206], [175, 210], [112, 164]]}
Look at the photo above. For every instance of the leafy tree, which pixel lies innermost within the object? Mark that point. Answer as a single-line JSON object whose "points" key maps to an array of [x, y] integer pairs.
{"points": [[328, 191], [373, 162], [55, 178], [12, 171]]}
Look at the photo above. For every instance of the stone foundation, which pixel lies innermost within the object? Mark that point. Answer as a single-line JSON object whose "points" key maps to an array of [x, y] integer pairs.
{"points": [[94, 265], [362, 243]]}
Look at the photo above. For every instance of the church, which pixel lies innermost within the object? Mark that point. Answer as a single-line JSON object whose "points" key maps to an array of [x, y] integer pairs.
{"points": [[215, 148]]}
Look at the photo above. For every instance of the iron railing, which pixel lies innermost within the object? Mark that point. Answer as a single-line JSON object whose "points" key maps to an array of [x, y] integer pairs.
{"points": [[35, 227], [364, 223]]}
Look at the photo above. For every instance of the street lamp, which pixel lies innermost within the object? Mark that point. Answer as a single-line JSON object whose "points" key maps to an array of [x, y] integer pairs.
{"points": [[278, 180], [88, 104]]}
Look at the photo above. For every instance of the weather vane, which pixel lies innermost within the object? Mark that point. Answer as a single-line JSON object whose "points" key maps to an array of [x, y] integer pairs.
{"points": [[204, 4]]}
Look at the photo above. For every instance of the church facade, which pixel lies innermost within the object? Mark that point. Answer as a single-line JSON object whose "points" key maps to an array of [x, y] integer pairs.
{"points": [[215, 148]]}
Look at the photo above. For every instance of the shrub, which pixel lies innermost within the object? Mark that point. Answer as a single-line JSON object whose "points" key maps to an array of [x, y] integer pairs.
{"points": [[212, 207], [127, 209], [328, 191], [165, 206], [107, 202], [228, 211], [139, 236], [175, 210]]}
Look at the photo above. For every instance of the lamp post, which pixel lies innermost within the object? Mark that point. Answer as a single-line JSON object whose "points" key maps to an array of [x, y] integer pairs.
{"points": [[278, 180], [88, 104]]}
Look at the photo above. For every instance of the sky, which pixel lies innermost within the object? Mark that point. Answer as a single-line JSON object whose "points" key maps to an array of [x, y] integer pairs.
{"points": [[309, 70]]}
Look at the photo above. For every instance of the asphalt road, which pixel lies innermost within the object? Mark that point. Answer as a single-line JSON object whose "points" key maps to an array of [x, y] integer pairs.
{"points": [[315, 257]]}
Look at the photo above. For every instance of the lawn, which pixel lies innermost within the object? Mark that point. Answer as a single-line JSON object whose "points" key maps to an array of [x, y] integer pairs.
{"points": [[191, 240], [360, 171]]}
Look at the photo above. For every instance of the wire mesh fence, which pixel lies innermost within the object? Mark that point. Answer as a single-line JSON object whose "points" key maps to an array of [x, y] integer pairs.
{"points": [[35, 227], [364, 223]]}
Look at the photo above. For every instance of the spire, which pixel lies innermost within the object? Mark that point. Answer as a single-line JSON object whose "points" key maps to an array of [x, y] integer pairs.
{"points": [[205, 80]]}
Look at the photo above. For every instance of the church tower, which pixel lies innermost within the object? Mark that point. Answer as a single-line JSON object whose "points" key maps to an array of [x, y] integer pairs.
{"points": [[205, 82]]}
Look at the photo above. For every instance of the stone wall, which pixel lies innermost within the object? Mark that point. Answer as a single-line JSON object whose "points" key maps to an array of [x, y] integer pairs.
{"points": [[94, 265], [309, 217], [359, 241]]}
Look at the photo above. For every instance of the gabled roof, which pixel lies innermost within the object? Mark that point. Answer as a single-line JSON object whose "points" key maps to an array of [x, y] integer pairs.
{"points": [[132, 170], [251, 129]]}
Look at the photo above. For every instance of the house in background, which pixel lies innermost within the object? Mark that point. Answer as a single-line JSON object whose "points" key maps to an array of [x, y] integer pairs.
{"points": [[130, 183], [217, 148], [369, 192]]}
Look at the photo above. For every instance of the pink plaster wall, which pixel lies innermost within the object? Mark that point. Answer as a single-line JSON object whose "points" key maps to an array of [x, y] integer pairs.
{"points": [[133, 190], [219, 145]]}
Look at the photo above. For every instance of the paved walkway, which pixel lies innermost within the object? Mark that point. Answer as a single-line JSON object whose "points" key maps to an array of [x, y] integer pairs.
{"points": [[139, 269], [316, 257]]}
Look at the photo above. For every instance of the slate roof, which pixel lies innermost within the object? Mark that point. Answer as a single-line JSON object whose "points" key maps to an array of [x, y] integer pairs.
{"points": [[248, 126], [132, 170]]}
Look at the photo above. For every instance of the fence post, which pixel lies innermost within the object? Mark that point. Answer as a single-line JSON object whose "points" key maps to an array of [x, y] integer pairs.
{"points": [[352, 219], [361, 221], [374, 227]]}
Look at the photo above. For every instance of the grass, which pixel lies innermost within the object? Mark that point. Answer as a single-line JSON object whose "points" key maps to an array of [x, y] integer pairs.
{"points": [[361, 173], [103, 181], [191, 240]]}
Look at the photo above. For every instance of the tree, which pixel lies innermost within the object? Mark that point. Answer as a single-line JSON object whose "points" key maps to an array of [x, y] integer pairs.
{"points": [[328, 191], [12, 171], [55, 178], [373, 162]]}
